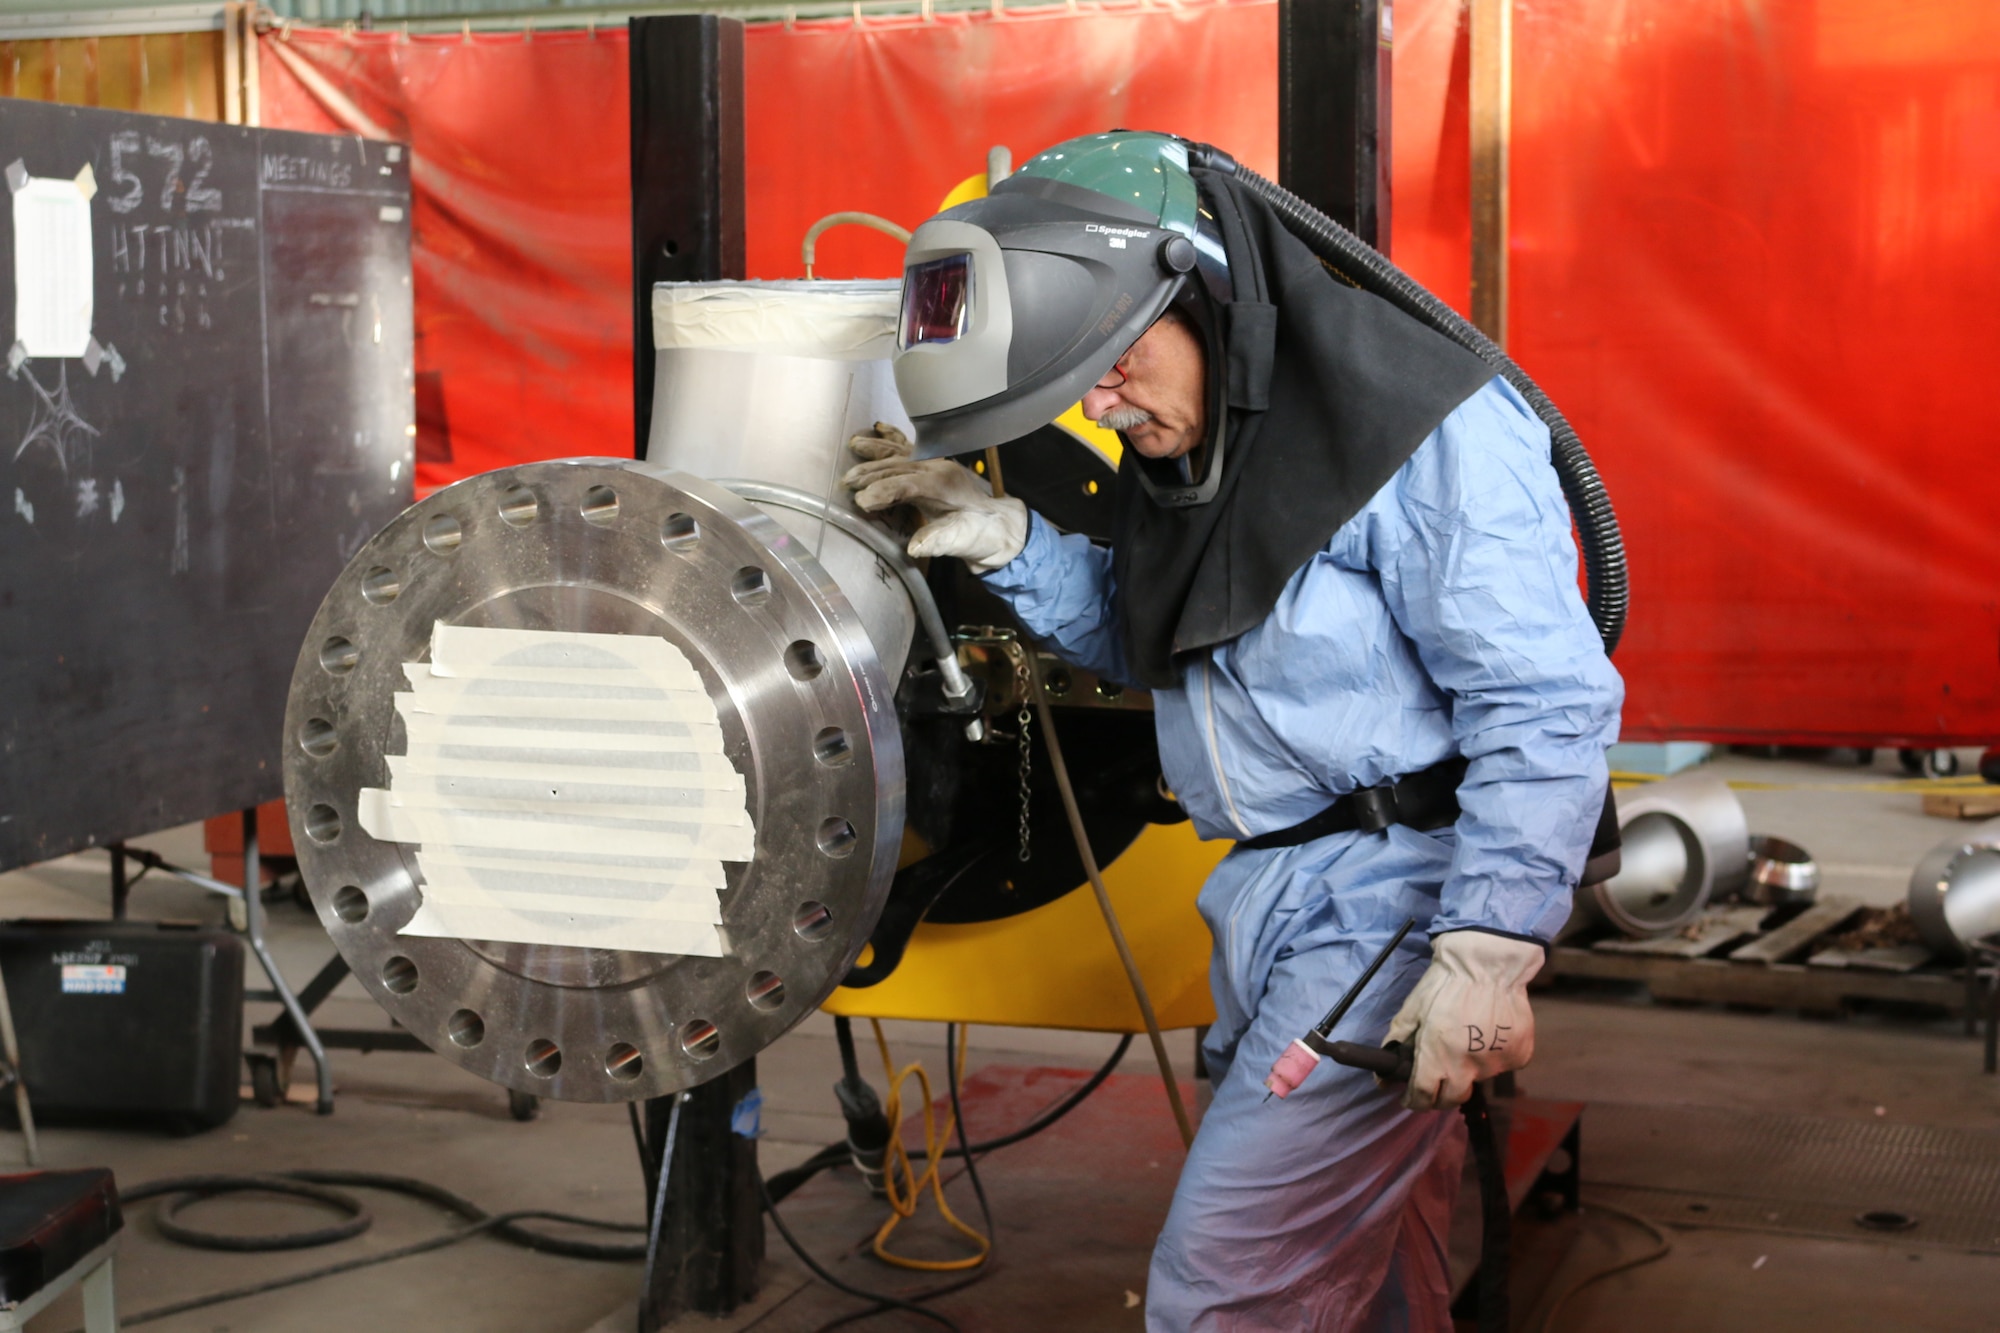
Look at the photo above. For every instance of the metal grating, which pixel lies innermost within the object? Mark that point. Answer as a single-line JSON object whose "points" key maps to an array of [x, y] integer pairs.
{"points": [[1797, 1174]]}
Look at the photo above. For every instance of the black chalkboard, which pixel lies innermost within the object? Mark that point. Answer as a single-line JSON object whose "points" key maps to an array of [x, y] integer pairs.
{"points": [[177, 493]]}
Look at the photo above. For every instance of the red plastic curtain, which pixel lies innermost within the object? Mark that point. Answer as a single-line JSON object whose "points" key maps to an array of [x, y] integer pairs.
{"points": [[1750, 258]]}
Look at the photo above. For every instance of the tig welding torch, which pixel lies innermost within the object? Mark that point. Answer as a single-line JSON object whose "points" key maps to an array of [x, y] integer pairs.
{"points": [[1391, 1062]]}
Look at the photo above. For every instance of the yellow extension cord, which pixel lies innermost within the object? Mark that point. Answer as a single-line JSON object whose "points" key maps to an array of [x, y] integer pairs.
{"points": [[905, 1192]]}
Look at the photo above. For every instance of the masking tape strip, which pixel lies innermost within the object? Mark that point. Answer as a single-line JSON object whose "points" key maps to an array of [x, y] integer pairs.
{"points": [[692, 902], [534, 807], [705, 912], [438, 762], [691, 710], [533, 831], [564, 789], [582, 932], [650, 873], [591, 737], [571, 788], [577, 677]]}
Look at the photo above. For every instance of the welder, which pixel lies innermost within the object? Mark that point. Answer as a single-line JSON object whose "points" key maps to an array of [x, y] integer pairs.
{"points": [[1342, 563]]}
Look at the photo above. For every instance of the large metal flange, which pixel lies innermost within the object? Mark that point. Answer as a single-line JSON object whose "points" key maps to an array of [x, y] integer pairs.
{"points": [[607, 546]]}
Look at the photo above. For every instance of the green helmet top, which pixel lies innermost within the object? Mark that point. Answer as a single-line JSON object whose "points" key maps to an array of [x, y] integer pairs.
{"points": [[1149, 171]]}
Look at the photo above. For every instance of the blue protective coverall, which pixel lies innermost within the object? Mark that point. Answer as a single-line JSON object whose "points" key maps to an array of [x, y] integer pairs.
{"points": [[1443, 619]]}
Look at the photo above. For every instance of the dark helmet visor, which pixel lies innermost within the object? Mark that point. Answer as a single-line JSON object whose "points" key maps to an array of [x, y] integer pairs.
{"points": [[937, 301]]}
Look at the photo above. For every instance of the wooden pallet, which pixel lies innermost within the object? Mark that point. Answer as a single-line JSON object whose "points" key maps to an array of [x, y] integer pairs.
{"points": [[1963, 804], [1754, 956]]}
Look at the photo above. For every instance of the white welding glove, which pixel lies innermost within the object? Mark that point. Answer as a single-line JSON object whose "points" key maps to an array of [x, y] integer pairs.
{"points": [[1468, 1018], [962, 516]]}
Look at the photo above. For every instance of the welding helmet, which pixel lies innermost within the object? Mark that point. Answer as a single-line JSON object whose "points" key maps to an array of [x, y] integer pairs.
{"points": [[1016, 304]]}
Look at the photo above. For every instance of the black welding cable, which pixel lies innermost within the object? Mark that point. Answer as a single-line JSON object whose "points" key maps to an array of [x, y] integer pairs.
{"points": [[1663, 1245], [1053, 1114], [1496, 1215], [951, 1076], [783, 1183], [505, 1225], [833, 1154], [879, 1303]]}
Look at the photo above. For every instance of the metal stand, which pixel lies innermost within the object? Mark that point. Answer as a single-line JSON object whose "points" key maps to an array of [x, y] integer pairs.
{"points": [[121, 887], [253, 931], [270, 1075], [1982, 997], [12, 1074]]}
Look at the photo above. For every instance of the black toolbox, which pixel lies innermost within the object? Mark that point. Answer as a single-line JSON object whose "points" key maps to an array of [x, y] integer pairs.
{"points": [[126, 1020]]}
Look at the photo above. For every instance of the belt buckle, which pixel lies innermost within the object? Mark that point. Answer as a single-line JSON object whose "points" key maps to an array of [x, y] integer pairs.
{"points": [[1374, 808]]}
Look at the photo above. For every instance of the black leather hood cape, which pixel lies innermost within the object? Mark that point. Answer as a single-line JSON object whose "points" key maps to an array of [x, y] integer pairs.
{"points": [[1329, 392]]}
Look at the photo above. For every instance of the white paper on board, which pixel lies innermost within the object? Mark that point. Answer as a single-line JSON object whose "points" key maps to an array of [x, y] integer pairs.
{"points": [[565, 789], [53, 292]]}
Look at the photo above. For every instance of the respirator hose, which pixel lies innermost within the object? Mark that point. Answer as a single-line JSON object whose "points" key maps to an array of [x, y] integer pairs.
{"points": [[1369, 269]]}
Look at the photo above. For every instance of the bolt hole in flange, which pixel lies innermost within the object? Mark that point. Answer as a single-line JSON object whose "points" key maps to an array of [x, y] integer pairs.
{"points": [[679, 532], [520, 507], [804, 659], [338, 656], [466, 1029], [350, 904], [700, 1039], [443, 534], [751, 587], [543, 1058], [765, 990], [399, 974], [812, 921], [600, 506], [381, 585], [323, 823], [836, 836], [831, 747], [318, 738], [623, 1062]]}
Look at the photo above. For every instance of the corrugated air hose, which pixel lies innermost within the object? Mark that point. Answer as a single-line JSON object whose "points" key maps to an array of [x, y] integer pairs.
{"points": [[1369, 269]]}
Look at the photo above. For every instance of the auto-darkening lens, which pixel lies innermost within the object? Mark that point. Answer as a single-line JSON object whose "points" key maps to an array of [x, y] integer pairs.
{"points": [[937, 301]]}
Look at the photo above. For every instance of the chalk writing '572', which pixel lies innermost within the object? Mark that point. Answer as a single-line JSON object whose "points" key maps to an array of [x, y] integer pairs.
{"points": [[184, 177]]}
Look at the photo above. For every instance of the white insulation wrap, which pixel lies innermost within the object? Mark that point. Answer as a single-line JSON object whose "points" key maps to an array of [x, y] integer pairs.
{"points": [[847, 321], [766, 381], [566, 789]]}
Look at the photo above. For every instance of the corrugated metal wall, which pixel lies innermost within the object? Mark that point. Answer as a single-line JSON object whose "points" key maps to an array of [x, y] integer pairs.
{"points": [[163, 74]]}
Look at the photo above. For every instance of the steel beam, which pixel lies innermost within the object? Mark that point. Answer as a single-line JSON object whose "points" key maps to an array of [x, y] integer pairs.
{"points": [[1333, 110]]}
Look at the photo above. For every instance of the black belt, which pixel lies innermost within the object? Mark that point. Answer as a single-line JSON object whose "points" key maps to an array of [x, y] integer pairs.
{"points": [[1424, 801]]}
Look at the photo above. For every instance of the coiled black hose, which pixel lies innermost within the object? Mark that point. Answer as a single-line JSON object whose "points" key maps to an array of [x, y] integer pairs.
{"points": [[1370, 270]]}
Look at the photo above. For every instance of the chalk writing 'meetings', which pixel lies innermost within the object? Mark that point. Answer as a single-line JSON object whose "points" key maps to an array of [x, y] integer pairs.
{"points": [[292, 169]]}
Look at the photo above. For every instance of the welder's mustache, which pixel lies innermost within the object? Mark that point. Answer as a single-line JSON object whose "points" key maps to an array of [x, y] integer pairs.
{"points": [[1125, 417]]}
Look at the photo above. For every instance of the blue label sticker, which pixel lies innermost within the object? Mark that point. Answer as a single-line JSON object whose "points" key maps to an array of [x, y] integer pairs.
{"points": [[93, 979], [746, 1120]]}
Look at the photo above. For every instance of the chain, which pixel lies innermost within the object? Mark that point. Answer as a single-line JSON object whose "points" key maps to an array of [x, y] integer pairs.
{"points": [[1022, 721]]}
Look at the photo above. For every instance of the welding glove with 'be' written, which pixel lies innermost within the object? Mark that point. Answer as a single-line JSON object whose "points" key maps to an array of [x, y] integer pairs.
{"points": [[1468, 1018]]}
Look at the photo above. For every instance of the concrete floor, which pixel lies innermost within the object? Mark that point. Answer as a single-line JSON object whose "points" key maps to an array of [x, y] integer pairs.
{"points": [[418, 1115]]}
